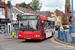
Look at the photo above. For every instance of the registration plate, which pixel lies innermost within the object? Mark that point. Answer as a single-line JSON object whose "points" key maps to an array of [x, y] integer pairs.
{"points": [[28, 38]]}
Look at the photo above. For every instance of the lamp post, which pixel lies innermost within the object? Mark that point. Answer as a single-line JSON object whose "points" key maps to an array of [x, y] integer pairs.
{"points": [[11, 16], [72, 15]]}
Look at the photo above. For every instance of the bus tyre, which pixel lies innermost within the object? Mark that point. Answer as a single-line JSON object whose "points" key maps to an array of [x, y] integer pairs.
{"points": [[26, 40], [52, 34], [45, 36]]}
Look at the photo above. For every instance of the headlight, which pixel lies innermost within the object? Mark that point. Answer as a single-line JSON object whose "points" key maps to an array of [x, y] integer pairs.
{"points": [[19, 35], [37, 35]]}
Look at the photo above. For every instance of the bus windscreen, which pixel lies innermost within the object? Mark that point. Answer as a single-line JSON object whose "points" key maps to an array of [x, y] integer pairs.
{"points": [[29, 23]]}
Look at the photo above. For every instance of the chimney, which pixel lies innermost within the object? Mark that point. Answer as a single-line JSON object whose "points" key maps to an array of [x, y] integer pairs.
{"points": [[17, 6], [28, 7], [8, 3]]}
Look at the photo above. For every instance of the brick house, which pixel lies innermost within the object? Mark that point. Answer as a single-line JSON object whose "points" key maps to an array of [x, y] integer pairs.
{"points": [[60, 14], [57, 20], [65, 16], [3, 15], [3, 9]]}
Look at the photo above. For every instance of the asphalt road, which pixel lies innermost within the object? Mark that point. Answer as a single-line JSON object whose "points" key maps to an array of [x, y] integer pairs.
{"points": [[21, 44]]}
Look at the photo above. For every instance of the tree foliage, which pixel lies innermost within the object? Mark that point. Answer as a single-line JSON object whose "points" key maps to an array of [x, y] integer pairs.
{"points": [[36, 5], [23, 4], [51, 12]]}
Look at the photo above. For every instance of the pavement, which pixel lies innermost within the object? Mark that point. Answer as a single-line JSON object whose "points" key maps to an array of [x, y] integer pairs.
{"points": [[64, 43], [69, 38], [8, 36], [1, 35]]}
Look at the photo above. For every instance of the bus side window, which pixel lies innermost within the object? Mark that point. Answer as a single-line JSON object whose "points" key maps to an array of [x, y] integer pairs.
{"points": [[47, 24], [52, 24]]}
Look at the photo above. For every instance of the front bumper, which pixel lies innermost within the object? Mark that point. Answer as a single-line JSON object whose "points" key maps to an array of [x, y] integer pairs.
{"points": [[29, 37]]}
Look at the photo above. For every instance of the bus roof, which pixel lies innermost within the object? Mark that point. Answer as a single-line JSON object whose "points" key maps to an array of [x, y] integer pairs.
{"points": [[47, 18], [51, 19], [41, 16]]}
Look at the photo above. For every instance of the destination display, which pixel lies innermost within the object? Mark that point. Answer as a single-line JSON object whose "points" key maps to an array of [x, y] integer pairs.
{"points": [[28, 17]]}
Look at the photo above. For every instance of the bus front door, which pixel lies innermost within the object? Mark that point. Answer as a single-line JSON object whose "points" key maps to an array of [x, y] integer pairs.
{"points": [[42, 32]]}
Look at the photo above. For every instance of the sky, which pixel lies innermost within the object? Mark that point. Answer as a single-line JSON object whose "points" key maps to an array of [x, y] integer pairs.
{"points": [[47, 5]]}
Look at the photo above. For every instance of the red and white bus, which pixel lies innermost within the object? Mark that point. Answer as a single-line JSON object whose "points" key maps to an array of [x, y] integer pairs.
{"points": [[32, 26]]}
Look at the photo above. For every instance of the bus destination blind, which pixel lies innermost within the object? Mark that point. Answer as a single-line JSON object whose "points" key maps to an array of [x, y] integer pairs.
{"points": [[28, 17]]}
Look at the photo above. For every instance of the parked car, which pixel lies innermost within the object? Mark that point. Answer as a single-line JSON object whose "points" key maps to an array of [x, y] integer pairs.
{"points": [[66, 26], [57, 27], [70, 26]]}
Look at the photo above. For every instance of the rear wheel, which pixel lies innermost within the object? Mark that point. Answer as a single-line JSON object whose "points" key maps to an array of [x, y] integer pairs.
{"points": [[52, 34]]}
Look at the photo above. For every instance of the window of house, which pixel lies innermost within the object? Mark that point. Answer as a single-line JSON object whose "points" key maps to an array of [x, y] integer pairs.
{"points": [[2, 12], [57, 15], [64, 18]]}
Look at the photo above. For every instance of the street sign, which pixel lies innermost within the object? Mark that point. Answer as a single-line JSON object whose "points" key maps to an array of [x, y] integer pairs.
{"points": [[4, 20], [11, 16], [73, 19], [72, 34]]}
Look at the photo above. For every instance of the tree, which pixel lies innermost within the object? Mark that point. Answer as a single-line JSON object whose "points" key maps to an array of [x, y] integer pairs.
{"points": [[36, 5], [23, 4], [51, 12]]}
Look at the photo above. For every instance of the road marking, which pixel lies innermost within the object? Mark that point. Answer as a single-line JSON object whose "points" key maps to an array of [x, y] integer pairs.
{"points": [[52, 39]]}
